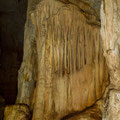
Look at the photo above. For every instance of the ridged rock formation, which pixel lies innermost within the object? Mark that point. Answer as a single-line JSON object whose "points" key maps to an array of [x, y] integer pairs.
{"points": [[63, 69], [110, 32]]}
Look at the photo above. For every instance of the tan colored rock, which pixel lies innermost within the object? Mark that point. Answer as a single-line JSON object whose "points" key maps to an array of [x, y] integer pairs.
{"points": [[17, 112], [63, 69], [112, 108], [110, 32], [92, 113]]}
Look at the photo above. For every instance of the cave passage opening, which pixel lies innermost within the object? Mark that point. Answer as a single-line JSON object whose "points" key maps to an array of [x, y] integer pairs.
{"points": [[12, 22]]}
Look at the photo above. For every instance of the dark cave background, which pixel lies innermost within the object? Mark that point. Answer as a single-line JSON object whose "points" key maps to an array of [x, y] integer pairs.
{"points": [[12, 22]]}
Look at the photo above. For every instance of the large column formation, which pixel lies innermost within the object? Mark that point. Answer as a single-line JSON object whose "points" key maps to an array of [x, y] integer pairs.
{"points": [[110, 32], [63, 69]]}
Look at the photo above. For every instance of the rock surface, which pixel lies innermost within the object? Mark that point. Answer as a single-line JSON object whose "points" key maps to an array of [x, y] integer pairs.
{"points": [[112, 110], [95, 4], [92, 113], [110, 32], [63, 69], [17, 112]]}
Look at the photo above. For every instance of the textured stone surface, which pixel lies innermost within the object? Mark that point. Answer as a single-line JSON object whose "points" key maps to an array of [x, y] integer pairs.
{"points": [[92, 3], [92, 113], [17, 112], [63, 69], [110, 32], [112, 108]]}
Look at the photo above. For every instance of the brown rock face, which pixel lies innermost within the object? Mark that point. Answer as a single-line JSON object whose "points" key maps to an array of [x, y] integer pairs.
{"points": [[92, 113], [17, 112], [63, 69], [110, 32]]}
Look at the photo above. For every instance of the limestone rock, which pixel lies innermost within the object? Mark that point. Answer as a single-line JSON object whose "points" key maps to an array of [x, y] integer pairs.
{"points": [[93, 4], [110, 32], [92, 113], [112, 106], [17, 112], [63, 69]]}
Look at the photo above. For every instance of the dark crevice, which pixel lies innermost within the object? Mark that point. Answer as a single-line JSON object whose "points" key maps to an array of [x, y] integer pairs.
{"points": [[12, 22], [76, 113]]}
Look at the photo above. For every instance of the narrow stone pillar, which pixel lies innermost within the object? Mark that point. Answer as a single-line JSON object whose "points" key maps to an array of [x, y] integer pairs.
{"points": [[110, 32]]}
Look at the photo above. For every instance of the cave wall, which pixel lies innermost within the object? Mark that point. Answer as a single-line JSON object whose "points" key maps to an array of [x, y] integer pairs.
{"points": [[12, 19], [95, 4], [63, 68], [110, 32]]}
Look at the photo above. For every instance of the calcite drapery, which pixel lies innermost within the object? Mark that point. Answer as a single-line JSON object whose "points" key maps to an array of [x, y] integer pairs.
{"points": [[63, 68]]}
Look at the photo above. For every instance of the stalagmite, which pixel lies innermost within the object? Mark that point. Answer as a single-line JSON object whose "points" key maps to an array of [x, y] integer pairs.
{"points": [[110, 32], [63, 69]]}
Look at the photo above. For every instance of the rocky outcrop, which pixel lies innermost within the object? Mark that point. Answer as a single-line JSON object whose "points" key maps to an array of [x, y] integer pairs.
{"points": [[112, 105], [110, 32], [63, 69], [17, 112]]}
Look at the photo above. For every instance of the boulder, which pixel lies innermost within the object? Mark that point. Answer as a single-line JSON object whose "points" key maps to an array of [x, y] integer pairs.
{"points": [[17, 112]]}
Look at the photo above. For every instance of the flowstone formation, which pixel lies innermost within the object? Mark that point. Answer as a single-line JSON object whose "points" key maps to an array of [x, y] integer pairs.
{"points": [[63, 68]]}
